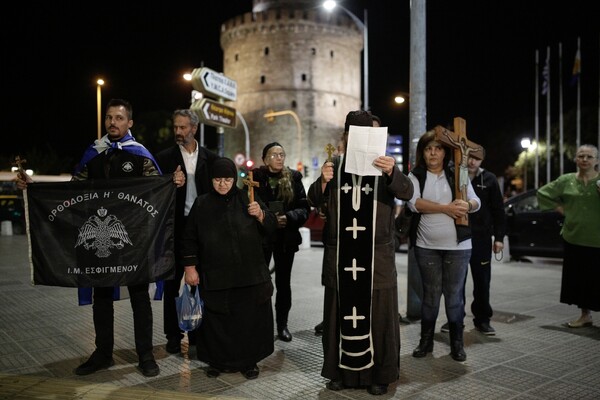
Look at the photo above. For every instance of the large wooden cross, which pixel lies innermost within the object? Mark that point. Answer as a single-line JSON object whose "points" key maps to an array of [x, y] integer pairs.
{"points": [[463, 149], [251, 185]]}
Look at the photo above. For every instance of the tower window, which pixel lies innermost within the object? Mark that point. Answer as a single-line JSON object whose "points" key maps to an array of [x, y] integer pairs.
{"points": [[237, 57], [331, 53], [314, 51], [294, 104], [303, 77], [334, 103], [266, 51], [262, 79]]}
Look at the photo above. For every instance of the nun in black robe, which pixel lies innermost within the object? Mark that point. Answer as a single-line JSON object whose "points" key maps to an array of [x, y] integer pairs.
{"points": [[222, 253]]}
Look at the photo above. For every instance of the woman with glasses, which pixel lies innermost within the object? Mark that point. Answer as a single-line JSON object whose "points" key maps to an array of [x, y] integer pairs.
{"points": [[222, 253], [576, 195], [282, 190]]}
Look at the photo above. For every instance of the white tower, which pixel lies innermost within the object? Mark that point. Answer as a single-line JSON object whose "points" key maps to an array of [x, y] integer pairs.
{"points": [[293, 57]]}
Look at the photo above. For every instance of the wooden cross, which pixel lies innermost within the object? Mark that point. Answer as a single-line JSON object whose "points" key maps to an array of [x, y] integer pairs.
{"points": [[251, 185], [463, 149], [329, 149], [19, 164]]}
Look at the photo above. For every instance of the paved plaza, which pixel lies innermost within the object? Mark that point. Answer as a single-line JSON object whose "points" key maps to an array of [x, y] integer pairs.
{"points": [[44, 335]]}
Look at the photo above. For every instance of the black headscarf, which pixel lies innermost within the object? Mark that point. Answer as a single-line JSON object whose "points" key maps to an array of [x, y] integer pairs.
{"points": [[267, 147], [223, 168]]}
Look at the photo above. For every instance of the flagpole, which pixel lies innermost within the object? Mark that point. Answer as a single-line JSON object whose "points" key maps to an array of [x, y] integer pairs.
{"points": [[578, 141], [561, 151], [537, 118], [548, 176]]}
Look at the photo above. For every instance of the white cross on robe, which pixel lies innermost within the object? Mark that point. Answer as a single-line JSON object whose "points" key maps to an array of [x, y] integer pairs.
{"points": [[354, 228], [354, 269], [354, 318]]}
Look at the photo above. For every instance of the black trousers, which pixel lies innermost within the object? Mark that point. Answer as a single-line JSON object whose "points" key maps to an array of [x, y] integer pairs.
{"points": [[284, 259], [481, 272], [103, 312]]}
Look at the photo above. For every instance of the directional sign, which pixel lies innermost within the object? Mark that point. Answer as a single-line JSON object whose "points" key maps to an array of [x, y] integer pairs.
{"points": [[214, 113], [213, 83]]}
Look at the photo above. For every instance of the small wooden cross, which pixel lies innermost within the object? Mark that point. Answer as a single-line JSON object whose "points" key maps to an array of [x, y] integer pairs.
{"points": [[251, 185], [19, 163], [463, 149], [329, 149]]}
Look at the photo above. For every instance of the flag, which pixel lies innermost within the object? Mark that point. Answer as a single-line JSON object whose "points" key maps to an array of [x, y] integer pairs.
{"points": [[576, 68], [546, 75], [103, 232]]}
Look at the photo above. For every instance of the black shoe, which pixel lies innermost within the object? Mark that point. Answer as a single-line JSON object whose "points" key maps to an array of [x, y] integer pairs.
{"points": [[284, 334], [212, 372], [251, 372], [422, 349], [173, 346], [402, 320], [377, 389], [485, 328], [149, 368], [93, 364], [319, 328], [445, 328], [335, 385]]}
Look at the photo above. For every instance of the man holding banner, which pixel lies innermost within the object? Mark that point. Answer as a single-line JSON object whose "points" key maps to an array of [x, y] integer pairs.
{"points": [[104, 229]]}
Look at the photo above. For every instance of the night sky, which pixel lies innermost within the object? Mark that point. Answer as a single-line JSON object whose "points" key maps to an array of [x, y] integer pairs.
{"points": [[480, 66]]}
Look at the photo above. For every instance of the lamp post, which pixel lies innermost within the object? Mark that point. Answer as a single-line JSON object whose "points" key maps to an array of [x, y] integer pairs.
{"points": [[329, 5], [99, 82], [525, 144]]}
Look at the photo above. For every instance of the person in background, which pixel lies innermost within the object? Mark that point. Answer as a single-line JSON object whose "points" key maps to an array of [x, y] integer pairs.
{"points": [[281, 189], [359, 270], [195, 162], [576, 195], [442, 248], [223, 255], [118, 155], [488, 222]]}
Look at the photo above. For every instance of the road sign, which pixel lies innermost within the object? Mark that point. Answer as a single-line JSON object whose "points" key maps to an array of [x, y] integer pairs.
{"points": [[213, 83], [214, 113]]}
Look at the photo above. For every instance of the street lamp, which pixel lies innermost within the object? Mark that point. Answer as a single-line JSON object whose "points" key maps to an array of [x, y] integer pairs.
{"points": [[525, 144], [100, 82], [329, 5]]}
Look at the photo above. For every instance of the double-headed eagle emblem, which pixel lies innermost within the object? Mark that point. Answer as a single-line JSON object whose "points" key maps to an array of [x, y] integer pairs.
{"points": [[103, 233]]}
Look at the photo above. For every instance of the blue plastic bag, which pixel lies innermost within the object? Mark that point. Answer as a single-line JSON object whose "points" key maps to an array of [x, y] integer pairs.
{"points": [[190, 308]]}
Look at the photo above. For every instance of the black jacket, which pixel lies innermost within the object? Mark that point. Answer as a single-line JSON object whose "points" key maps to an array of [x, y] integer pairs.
{"points": [[168, 160]]}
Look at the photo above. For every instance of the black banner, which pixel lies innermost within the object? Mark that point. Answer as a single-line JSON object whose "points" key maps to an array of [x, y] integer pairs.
{"points": [[102, 232]]}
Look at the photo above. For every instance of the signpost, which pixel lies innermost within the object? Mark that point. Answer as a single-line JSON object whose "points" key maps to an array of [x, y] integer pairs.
{"points": [[212, 112], [214, 84]]}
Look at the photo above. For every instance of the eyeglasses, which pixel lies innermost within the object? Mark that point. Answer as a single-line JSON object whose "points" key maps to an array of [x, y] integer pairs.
{"points": [[223, 180], [585, 157], [277, 155]]}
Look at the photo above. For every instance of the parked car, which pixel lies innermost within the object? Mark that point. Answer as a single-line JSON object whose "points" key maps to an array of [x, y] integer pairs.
{"points": [[532, 232]]}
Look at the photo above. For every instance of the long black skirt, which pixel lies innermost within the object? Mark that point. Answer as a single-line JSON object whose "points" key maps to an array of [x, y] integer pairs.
{"points": [[581, 276], [237, 327]]}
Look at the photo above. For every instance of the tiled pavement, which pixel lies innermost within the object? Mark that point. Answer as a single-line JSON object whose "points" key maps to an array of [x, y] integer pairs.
{"points": [[44, 335]]}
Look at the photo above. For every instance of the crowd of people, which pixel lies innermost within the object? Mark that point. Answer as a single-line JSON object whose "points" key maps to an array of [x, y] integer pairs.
{"points": [[226, 234]]}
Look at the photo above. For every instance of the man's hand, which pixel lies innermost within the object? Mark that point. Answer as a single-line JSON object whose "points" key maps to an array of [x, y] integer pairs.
{"points": [[22, 179], [385, 163], [179, 177], [191, 275], [327, 172]]}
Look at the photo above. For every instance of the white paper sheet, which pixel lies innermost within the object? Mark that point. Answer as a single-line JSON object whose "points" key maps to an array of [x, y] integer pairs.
{"points": [[365, 144]]}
